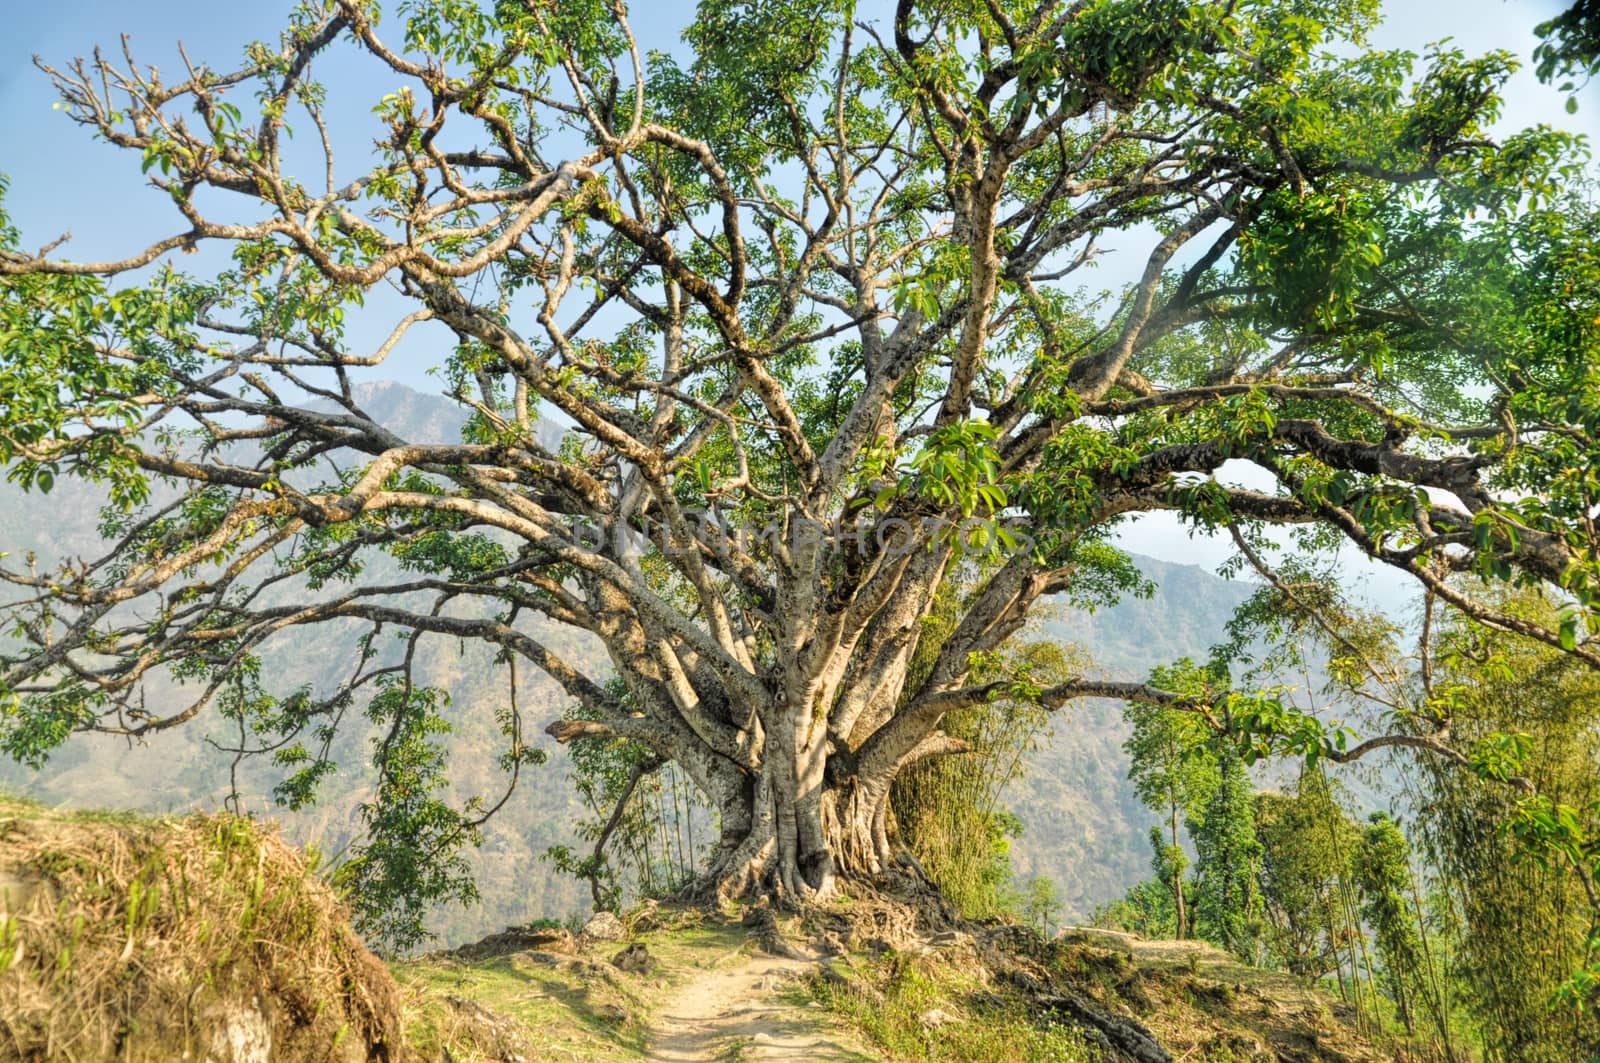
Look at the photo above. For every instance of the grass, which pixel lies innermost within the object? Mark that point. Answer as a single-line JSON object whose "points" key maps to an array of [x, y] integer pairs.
{"points": [[577, 1008], [135, 937], [593, 1018], [925, 1008]]}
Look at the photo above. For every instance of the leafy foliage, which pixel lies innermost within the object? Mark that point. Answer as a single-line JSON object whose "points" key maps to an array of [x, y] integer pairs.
{"points": [[410, 859], [1516, 864], [1227, 861], [1571, 47]]}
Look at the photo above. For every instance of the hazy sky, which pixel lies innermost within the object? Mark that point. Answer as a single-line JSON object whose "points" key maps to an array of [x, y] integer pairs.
{"points": [[63, 180]]}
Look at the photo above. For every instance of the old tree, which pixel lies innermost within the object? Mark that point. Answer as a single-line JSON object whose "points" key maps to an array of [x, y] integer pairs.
{"points": [[809, 298]]}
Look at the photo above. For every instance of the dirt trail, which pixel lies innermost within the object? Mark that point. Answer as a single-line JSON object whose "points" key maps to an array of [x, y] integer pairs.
{"points": [[738, 1010]]}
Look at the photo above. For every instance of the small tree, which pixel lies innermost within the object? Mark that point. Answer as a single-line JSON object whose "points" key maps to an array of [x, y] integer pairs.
{"points": [[1228, 861], [1173, 765], [1306, 842], [1383, 874], [1039, 904]]}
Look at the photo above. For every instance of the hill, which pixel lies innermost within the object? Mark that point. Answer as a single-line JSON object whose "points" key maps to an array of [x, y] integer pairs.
{"points": [[1083, 825]]}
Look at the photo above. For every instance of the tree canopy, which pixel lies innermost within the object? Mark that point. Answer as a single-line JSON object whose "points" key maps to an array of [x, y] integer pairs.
{"points": [[764, 342]]}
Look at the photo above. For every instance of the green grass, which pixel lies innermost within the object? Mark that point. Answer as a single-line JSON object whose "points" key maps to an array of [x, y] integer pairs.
{"points": [[566, 1009], [562, 1009], [888, 1000]]}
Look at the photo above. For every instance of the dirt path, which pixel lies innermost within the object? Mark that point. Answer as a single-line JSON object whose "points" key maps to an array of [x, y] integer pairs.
{"points": [[739, 1010]]}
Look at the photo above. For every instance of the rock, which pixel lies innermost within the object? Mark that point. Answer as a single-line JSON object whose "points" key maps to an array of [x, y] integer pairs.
{"points": [[633, 958], [519, 939], [644, 918], [601, 928], [239, 1034], [612, 1013], [934, 1018], [491, 1036], [549, 939], [953, 939]]}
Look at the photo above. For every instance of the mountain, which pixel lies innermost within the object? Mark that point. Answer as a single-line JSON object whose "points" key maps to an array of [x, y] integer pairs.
{"points": [[1083, 826]]}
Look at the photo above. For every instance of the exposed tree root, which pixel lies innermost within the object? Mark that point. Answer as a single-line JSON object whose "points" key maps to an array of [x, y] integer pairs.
{"points": [[902, 913], [1123, 1036], [763, 925]]}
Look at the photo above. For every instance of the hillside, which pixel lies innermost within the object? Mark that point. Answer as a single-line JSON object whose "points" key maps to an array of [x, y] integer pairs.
{"points": [[146, 939], [1083, 827]]}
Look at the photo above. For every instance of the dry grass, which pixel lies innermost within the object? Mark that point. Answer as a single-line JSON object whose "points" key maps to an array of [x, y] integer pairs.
{"points": [[1204, 1005], [200, 937]]}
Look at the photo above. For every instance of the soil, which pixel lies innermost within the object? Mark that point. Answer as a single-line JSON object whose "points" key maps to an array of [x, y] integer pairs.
{"points": [[742, 1009]]}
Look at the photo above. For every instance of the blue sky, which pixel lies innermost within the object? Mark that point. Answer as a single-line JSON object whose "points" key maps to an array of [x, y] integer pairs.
{"points": [[62, 180]]}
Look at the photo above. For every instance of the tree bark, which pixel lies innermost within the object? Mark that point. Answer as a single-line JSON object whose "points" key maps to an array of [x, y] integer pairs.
{"points": [[798, 843]]}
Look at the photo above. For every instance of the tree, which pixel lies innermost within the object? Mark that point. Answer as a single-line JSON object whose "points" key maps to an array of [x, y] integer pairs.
{"points": [[801, 303], [1306, 842], [1383, 873], [1039, 905], [1173, 766], [1524, 905], [1146, 910], [1227, 903]]}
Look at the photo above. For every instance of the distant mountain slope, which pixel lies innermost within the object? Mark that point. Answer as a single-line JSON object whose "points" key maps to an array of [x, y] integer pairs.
{"points": [[1083, 826]]}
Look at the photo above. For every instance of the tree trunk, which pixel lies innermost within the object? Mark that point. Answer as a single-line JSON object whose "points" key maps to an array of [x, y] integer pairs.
{"points": [[1177, 878], [798, 842]]}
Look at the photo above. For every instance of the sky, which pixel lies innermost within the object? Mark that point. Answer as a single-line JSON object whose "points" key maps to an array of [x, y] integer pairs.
{"points": [[62, 180]]}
